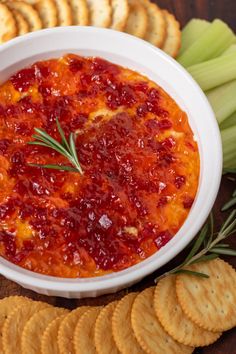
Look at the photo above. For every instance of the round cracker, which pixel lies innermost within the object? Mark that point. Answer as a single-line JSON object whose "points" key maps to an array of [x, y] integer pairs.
{"points": [[124, 335], [172, 42], [148, 330], [7, 306], [28, 12], [156, 30], [209, 302], [67, 328], [84, 332], [8, 28], [80, 12], [15, 323], [21, 23], [137, 21], [35, 327], [64, 13], [120, 13], [103, 333], [99, 13], [47, 11], [49, 343], [173, 319]]}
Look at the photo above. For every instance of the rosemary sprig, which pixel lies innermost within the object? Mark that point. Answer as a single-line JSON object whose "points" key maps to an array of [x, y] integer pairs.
{"points": [[207, 246], [230, 203], [65, 148]]}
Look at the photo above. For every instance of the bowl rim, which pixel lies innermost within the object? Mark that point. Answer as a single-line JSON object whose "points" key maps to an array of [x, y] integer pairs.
{"points": [[142, 269]]}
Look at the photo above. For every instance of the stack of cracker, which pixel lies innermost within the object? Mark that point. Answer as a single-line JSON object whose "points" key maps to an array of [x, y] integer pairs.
{"points": [[140, 18], [182, 312]]}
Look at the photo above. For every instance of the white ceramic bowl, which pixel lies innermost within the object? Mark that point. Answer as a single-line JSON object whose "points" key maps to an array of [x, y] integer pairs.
{"points": [[135, 54]]}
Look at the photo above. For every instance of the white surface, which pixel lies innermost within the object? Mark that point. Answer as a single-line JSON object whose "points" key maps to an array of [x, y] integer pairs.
{"points": [[136, 54]]}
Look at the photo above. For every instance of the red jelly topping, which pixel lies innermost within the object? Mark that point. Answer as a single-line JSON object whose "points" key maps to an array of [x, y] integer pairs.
{"points": [[137, 152]]}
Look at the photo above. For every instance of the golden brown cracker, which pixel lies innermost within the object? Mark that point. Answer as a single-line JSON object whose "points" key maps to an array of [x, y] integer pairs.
{"points": [[120, 13], [137, 21], [49, 343], [80, 13], [14, 325], [67, 328], [172, 42], [104, 341], [99, 13], [123, 334], [148, 330], [28, 12], [209, 302], [156, 29], [84, 332], [8, 27], [21, 23], [35, 327], [173, 319], [47, 11], [7, 306], [64, 13]]}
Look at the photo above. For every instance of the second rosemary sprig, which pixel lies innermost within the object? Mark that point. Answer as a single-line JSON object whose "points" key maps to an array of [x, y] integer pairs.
{"points": [[208, 246]]}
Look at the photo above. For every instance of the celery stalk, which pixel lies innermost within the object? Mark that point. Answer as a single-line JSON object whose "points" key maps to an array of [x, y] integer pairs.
{"points": [[230, 50], [214, 72], [213, 42], [229, 122], [229, 147], [191, 32], [223, 100]]}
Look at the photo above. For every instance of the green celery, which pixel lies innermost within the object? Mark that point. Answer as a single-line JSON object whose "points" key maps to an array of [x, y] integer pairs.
{"points": [[230, 50], [223, 100], [214, 72], [229, 147], [229, 122], [191, 32], [212, 43]]}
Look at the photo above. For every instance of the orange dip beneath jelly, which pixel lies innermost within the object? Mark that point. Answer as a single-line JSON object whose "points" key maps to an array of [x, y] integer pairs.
{"points": [[138, 154]]}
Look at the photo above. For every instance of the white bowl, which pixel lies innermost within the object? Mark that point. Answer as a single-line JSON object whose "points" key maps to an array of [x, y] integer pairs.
{"points": [[138, 55]]}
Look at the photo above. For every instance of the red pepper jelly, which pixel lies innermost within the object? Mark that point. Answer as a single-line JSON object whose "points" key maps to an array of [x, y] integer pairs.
{"points": [[137, 152]]}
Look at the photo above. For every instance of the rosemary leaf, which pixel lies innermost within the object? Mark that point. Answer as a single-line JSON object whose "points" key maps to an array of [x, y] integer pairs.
{"points": [[229, 204], [198, 243], [37, 143], [223, 245], [190, 272], [211, 225], [73, 152], [234, 193], [226, 251], [54, 167], [50, 147], [62, 134], [228, 221], [209, 257]]}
